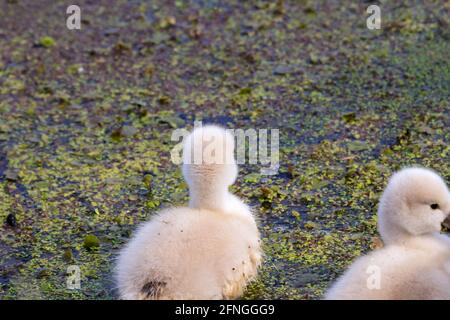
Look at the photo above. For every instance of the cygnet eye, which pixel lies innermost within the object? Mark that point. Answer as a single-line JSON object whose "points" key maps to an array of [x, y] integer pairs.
{"points": [[434, 206]]}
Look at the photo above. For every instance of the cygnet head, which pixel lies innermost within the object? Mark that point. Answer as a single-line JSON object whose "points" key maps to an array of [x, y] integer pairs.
{"points": [[209, 167], [415, 202]]}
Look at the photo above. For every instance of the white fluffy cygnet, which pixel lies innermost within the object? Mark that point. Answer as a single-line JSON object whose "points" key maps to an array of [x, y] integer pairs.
{"points": [[415, 261], [209, 250]]}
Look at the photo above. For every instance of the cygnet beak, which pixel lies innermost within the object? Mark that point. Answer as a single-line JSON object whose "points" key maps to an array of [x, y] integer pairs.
{"points": [[446, 223]]}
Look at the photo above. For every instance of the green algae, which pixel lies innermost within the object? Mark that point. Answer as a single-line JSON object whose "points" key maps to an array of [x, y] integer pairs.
{"points": [[91, 242], [47, 42]]}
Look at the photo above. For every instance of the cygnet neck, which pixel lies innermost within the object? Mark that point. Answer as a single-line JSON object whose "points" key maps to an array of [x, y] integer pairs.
{"points": [[208, 197], [394, 234]]}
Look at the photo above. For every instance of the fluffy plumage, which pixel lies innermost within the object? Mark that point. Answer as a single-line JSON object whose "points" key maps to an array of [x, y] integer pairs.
{"points": [[415, 262], [209, 250]]}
